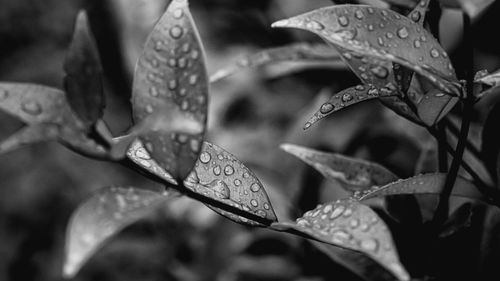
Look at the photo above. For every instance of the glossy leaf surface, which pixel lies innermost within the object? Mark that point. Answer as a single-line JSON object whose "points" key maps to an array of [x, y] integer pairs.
{"points": [[105, 214], [171, 83], [351, 225], [353, 174]]}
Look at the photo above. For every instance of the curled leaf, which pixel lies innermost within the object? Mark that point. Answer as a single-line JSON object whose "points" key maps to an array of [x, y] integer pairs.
{"points": [[350, 225], [83, 80], [382, 34], [171, 83], [105, 214], [348, 97], [353, 174], [220, 176], [422, 184], [291, 53]]}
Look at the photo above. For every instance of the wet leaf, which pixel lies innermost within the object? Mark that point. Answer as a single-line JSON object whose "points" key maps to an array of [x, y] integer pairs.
{"points": [[350, 225], [419, 11], [171, 83], [491, 79], [346, 98], [434, 106], [353, 174], [300, 52], [105, 214], [422, 184], [47, 116], [382, 34], [83, 80], [220, 176]]}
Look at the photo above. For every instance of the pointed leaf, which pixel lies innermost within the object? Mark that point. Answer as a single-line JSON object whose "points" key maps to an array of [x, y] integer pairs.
{"points": [[105, 214], [47, 110], [351, 225], [353, 174], [419, 11], [422, 184], [382, 34], [29, 135], [220, 176], [491, 79], [346, 98], [171, 81], [291, 53], [83, 80]]}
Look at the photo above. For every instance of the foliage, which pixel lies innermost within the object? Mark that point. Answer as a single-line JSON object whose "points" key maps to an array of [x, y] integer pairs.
{"points": [[399, 61]]}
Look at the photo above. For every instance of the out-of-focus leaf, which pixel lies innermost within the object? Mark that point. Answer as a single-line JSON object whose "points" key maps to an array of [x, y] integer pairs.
{"points": [[491, 79], [461, 218], [428, 159], [348, 97], [353, 174], [356, 262], [382, 34], [105, 214], [490, 140], [170, 83], [422, 184], [300, 52], [350, 225], [473, 8], [83, 80], [47, 116], [220, 176]]}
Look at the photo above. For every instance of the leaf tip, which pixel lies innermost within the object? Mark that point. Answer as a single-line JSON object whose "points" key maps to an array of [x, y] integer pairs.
{"points": [[281, 23]]}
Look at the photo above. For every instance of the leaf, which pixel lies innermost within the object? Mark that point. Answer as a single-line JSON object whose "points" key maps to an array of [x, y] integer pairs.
{"points": [[300, 52], [491, 79], [350, 225], [434, 106], [422, 184], [382, 34], [346, 98], [354, 174], [217, 175], [220, 176], [490, 140], [170, 82], [47, 116], [461, 218], [105, 214], [419, 11], [83, 80], [473, 8]]}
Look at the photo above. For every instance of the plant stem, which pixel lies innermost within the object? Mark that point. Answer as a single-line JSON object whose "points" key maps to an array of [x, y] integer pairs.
{"points": [[454, 130]]}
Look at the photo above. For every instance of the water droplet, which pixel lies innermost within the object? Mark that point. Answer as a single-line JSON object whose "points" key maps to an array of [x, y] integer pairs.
{"points": [[261, 213], [346, 97], [380, 71], [439, 95], [182, 62], [415, 16], [354, 223], [32, 107], [326, 107], [340, 236], [194, 144], [153, 91], [255, 187], [359, 88], [403, 33], [254, 203], [172, 84], [266, 206], [205, 157], [315, 25], [176, 31], [172, 62], [370, 10], [370, 27], [389, 35], [221, 189], [237, 182], [416, 43], [347, 212], [423, 38], [158, 45], [365, 227], [193, 79], [183, 92], [369, 245], [228, 170], [245, 175], [186, 47], [184, 104], [359, 14], [178, 13], [434, 53], [348, 34], [142, 154], [343, 21], [307, 125], [149, 108], [380, 41], [328, 208], [337, 212], [195, 54], [217, 170]]}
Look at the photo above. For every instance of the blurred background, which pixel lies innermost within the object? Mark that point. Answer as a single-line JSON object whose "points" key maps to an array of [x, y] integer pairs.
{"points": [[251, 114]]}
